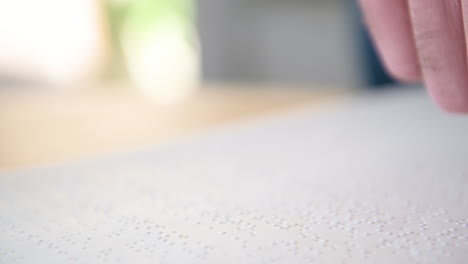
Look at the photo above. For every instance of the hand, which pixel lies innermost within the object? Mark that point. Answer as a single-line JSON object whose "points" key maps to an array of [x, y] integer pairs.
{"points": [[424, 40]]}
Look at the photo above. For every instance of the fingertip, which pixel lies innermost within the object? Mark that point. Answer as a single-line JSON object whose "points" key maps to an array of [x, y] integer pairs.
{"points": [[408, 74], [457, 104], [391, 28], [454, 108]]}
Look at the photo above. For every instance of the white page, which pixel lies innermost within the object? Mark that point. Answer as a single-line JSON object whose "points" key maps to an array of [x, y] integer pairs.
{"points": [[382, 180]]}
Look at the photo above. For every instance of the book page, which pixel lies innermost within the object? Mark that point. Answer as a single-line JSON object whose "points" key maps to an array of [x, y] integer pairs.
{"points": [[383, 179]]}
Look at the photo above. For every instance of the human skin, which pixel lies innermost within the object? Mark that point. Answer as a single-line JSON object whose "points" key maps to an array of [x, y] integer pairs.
{"points": [[424, 40]]}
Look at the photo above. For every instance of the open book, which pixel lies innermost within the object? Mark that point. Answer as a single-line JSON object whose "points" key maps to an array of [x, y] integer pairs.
{"points": [[383, 179]]}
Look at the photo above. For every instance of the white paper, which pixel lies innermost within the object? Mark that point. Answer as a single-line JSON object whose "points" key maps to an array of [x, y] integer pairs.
{"points": [[381, 180]]}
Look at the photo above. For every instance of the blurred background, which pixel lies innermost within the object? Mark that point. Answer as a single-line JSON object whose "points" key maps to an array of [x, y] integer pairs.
{"points": [[82, 78]]}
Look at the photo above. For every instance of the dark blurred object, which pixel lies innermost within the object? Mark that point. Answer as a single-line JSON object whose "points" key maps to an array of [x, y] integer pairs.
{"points": [[375, 76]]}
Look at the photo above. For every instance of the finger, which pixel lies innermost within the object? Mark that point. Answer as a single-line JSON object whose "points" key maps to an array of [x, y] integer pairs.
{"points": [[465, 23], [440, 40], [390, 27]]}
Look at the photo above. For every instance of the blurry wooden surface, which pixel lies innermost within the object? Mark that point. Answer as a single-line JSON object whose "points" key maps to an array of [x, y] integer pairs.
{"points": [[41, 128]]}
